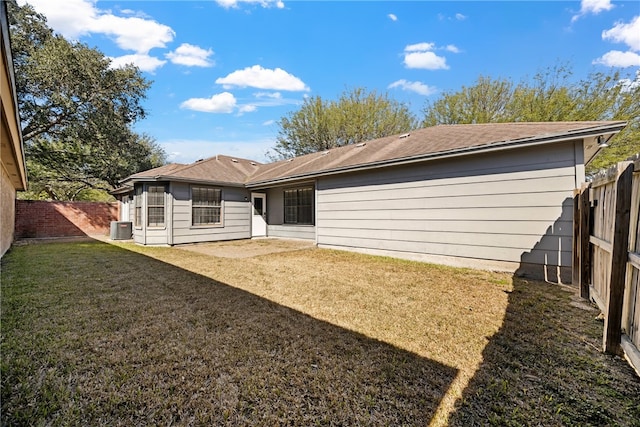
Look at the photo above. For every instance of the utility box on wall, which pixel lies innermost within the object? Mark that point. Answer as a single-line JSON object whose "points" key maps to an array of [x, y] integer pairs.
{"points": [[121, 230]]}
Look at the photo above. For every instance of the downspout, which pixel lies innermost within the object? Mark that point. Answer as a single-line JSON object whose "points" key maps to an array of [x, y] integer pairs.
{"points": [[169, 215], [143, 214], [315, 209], [578, 162]]}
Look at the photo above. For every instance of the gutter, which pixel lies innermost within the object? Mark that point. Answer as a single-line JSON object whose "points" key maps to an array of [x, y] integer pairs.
{"points": [[486, 148]]}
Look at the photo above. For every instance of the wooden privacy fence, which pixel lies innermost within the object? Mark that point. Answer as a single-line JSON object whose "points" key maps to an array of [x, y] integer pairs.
{"points": [[606, 253]]}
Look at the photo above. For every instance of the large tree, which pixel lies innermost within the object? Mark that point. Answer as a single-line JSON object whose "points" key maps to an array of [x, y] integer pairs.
{"points": [[356, 116], [551, 95], [77, 112]]}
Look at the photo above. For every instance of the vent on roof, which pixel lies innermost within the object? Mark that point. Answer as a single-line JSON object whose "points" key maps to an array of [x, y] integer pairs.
{"points": [[290, 160], [324, 153], [199, 160], [405, 135], [362, 144], [234, 160], [253, 163]]}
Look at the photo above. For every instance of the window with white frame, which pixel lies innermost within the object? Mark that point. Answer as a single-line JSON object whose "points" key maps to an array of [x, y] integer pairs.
{"points": [[137, 202], [298, 206], [206, 206], [155, 205]]}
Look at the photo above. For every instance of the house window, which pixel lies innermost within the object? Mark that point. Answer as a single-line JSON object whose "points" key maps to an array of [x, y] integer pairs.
{"points": [[206, 206], [138, 206], [298, 206], [155, 205]]}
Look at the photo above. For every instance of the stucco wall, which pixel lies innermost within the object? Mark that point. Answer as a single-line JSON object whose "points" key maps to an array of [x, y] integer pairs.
{"points": [[38, 219]]}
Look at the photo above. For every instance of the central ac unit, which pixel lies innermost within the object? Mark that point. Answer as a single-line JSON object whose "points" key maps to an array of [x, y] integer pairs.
{"points": [[121, 230]]}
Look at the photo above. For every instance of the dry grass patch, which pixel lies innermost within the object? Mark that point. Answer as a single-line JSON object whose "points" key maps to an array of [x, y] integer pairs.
{"points": [[121, 335], [246, 248]]}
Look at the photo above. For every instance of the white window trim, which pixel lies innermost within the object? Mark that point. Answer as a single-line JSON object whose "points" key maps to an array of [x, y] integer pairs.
{"points": [[222, 206]]}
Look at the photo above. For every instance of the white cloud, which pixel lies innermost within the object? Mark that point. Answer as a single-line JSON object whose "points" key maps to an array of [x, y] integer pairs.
{"points": [[417, 87], [452, 48], [191, 56], [275, 99], [425, 60], [628, 34], [138, 13], [616, 58], [137, 34], [418, 47], [272, 95], [71, 20], [595, 6], [223, 102], [392, 17], [457, 17], [227, 4], [143, 61], [81, 17], [268, 123], [262, 78], [592, 6], [422, 56], [247, 108]]}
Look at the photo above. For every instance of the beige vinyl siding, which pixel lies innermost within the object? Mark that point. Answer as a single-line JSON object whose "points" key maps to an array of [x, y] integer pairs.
{"points": [[514, 206], [236, 216]]}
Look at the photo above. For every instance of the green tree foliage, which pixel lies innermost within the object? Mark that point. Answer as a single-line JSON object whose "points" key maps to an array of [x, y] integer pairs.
{"points": [[485, 102], [551, 95], [356, 116], [76, 112]]}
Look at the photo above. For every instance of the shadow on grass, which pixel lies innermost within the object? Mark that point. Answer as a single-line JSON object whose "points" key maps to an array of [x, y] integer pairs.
{"points": [[95, 334], [545, 367]]}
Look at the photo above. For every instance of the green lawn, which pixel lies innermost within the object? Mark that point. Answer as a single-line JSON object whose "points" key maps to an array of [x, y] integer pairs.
{"points": [[101, 334]]}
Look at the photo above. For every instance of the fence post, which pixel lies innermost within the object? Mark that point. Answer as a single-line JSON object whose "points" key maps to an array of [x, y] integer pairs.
{"points": [[575, 244], [619, 255], [585, 232]]}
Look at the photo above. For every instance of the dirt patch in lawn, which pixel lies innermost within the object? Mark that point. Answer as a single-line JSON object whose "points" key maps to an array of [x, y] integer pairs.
{"points": [[247, 248]]}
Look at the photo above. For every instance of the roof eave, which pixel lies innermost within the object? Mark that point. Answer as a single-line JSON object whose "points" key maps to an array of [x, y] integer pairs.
{"points": [[158, 178], [121, 190], [486, 148], [17, 146]]}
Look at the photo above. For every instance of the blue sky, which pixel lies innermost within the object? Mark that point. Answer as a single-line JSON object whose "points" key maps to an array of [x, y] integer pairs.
{"points": [[224, 72]]}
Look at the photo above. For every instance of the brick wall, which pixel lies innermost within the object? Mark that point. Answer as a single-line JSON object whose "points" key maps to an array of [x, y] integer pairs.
{"points": [[35, 218]]}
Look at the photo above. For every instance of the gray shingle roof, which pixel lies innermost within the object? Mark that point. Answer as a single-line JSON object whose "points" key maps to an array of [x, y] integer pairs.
{"points": [[431, 142], [423, 143], [219, 170]]}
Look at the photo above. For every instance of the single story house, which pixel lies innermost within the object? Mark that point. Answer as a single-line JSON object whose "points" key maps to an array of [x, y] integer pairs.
{"points": [[494, 196], [13, 173]]}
